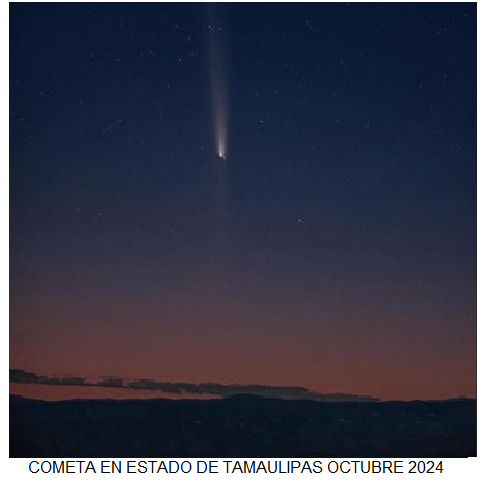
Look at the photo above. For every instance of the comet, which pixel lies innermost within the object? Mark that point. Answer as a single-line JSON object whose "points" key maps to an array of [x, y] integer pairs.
{"points": [[218, 63], [219, 86]]}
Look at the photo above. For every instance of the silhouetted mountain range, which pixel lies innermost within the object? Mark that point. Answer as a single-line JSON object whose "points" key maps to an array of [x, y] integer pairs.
{"points": [[241, 426]]}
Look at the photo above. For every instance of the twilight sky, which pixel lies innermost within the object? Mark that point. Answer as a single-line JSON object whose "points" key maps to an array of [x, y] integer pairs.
{"points": [[335, 246]]}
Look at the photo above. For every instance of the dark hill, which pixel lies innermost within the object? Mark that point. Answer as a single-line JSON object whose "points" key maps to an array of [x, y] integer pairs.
{"points": [[241, 426]]}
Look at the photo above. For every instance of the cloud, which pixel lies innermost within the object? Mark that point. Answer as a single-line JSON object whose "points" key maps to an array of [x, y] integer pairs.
{"points": [[224, 391], [111, 382], [21, 376], [148, 384]]}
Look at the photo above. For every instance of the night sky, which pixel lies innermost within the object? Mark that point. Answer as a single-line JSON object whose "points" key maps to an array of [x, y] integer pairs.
{"points": [[333, 246]]}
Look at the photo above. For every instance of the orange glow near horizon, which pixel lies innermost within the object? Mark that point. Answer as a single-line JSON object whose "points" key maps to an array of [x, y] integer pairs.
{"points": [[213, 340]]}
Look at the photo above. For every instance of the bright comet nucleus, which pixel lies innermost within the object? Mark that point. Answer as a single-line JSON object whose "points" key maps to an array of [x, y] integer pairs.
{"points": [[221, 150]]}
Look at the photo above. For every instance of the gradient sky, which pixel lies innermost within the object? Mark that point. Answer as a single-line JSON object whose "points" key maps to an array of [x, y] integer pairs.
{"points": [[338, 254]]}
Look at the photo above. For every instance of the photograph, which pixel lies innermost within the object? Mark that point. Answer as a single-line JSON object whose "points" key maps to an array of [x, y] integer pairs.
{"points": [[242, 230]]}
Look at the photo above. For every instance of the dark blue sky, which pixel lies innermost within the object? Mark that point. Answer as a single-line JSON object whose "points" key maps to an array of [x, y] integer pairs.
{"points": [[351, 184]]}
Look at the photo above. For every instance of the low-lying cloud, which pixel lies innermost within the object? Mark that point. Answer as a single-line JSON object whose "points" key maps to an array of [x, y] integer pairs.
{"points": [[268, 391]]}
